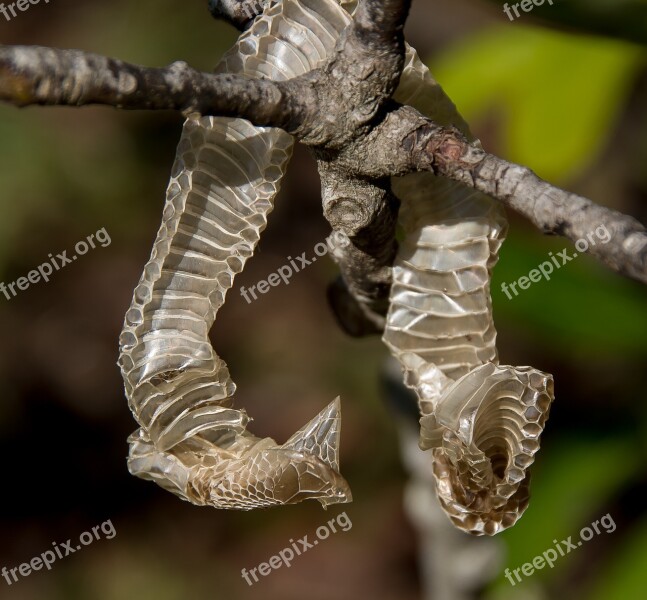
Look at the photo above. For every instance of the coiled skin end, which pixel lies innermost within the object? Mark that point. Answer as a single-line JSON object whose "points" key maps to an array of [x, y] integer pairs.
{"points": [[485, 433], [480, 421]]}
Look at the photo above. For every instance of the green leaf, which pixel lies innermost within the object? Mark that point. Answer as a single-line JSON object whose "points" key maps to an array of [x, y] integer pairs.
{"points": [[556, 95], [591, 310]]}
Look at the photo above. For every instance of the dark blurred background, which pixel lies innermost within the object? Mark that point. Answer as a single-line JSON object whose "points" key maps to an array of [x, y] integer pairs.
{"points": [[541, 91]]}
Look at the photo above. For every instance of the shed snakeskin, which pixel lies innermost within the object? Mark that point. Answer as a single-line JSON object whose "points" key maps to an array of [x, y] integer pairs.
{"points": [[226, 175], [482, 420]]}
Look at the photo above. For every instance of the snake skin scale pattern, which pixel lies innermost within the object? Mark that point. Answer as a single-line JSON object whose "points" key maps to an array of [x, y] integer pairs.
{"points": [[481, 421], [226, 175]]}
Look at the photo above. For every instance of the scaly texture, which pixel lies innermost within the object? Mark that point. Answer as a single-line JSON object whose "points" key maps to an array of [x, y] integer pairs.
{"points": [[482, 421], [224, 181]]}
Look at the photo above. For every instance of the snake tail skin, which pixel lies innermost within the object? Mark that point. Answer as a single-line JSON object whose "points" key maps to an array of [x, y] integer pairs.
{"points": [[227, 173], [481, 421]]}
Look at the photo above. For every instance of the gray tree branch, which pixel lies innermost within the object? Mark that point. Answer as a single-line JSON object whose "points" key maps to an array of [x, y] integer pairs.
{"points": [[363, 215], [37, 75], [239, 13]]}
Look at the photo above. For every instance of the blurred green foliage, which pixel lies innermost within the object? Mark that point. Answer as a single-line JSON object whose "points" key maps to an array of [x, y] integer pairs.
{"points": [[556, 96], [623, 19], [50, 156]]}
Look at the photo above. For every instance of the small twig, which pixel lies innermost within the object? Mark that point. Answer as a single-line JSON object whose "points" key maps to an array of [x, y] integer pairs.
{"points": [[364, 215], [380, 23], [239, 13]]}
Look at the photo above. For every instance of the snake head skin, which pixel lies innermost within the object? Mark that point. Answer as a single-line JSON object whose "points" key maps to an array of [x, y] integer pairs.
{"points": [[318, 441], [278, 476], [305, 467], [250, 472]]}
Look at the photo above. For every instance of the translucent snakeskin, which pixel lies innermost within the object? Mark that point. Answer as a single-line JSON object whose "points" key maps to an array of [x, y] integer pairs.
{"points": [[226, 175], [482, 421]]}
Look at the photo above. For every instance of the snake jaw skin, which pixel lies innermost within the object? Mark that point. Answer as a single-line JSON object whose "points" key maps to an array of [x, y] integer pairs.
{"points": [[226, 175], [481, 421]]}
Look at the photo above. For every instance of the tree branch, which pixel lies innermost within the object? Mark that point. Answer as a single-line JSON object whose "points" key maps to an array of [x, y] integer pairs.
{"points": [[446, 151], [363, 216], [239, 13], [37, 75], [344, 112], [380, 24], [361, 75]]}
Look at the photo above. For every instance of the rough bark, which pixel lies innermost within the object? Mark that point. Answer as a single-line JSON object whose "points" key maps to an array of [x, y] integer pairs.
{"points": [[363, 216], [47, 76]]}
